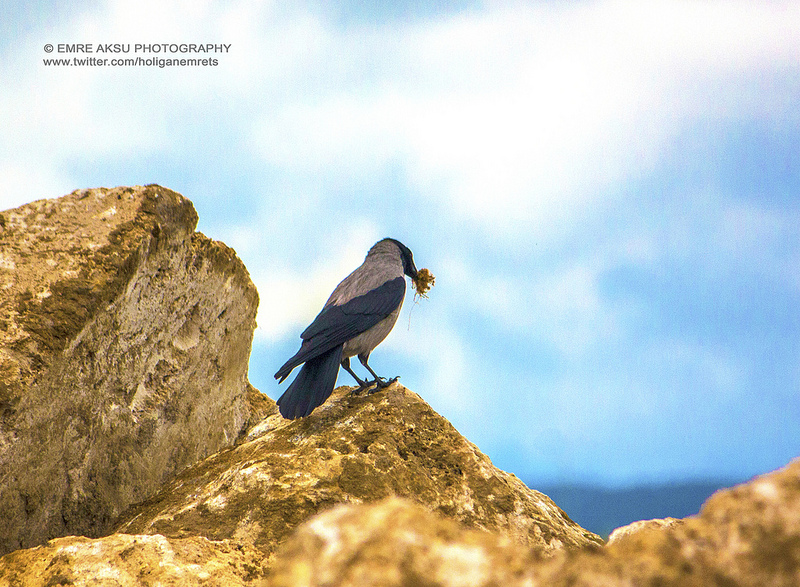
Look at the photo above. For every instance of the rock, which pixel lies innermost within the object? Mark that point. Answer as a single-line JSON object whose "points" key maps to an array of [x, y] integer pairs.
{"points": [[353, 449], [626, 532], [122, 560], [748, 536], [396, 542], [124, 346]]}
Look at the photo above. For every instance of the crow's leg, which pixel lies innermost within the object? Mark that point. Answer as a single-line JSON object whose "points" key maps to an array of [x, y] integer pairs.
{"points": [[381, 382], [362, 385]]}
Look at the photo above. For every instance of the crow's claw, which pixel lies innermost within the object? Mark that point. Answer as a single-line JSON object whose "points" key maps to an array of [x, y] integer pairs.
{"points": [[383, 382], [363, 388]]}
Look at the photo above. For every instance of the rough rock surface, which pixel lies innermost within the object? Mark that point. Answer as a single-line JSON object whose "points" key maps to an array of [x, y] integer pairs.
{"points": [[124, 344], [626, 532], [122, 560], [352, 449], [396, 542], [747, 536]]}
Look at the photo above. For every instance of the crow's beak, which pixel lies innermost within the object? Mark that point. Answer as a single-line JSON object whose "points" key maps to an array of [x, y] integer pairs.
{"points": [[412, 270]]}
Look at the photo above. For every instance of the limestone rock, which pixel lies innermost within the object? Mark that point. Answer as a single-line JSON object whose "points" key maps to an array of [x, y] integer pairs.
{"points": [[124, 344], [626, 532], [747, 536], [353, 449], [396, 542], [122, 560]]}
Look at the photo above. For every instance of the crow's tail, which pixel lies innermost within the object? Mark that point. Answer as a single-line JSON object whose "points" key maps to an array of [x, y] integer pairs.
{"points": [[312, 386]]}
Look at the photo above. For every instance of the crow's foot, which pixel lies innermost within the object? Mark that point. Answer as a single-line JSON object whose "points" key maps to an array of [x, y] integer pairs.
{"points": [[370, 387], [363, 388], [382, 382]]}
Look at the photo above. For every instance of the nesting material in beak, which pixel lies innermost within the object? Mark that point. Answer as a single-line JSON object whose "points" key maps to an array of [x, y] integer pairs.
{"points": [[423, 282]]}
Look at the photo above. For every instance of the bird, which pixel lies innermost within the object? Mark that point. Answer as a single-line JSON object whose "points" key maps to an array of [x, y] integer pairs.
{"points": [[357, 317]]}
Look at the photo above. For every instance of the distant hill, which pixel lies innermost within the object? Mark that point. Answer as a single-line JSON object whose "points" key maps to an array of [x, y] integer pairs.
{"points": [[601, 510]]}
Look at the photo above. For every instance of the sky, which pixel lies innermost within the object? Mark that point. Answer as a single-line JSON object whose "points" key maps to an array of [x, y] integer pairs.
{"points": [[607, 192]]}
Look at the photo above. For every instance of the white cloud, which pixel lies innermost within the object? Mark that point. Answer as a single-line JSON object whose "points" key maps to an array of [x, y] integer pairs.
{"points": [[105, 114], [516, 116], [520, 117]]}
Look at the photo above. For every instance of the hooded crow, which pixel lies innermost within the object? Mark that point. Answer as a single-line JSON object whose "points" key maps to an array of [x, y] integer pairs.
{"points": [[360, 313]]}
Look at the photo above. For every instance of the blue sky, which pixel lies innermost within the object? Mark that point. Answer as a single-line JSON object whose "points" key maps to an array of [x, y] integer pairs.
{"points": [[607, 193]]}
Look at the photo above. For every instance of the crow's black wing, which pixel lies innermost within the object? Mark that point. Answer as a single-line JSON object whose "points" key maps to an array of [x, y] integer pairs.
{"points": [[335, 325]]}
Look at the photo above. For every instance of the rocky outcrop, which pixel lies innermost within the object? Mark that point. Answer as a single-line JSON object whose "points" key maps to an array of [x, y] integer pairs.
{"points": [[122, 560], [124, 344], [353, 449], [395, 542], [633, 529], [748, 536]]}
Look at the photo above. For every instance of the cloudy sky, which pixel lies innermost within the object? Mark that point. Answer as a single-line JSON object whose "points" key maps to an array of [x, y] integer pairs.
{"points": [[608, 194]]}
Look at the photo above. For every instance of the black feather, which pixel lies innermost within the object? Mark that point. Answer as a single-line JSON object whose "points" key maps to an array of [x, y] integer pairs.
{"points": [[312, 386]]}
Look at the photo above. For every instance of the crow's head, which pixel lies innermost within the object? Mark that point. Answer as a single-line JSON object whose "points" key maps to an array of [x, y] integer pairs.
{"points": [[409, 268]]}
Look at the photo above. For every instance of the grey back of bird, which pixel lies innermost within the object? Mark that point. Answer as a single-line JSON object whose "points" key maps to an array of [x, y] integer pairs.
{"points": [[383, 263]]}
